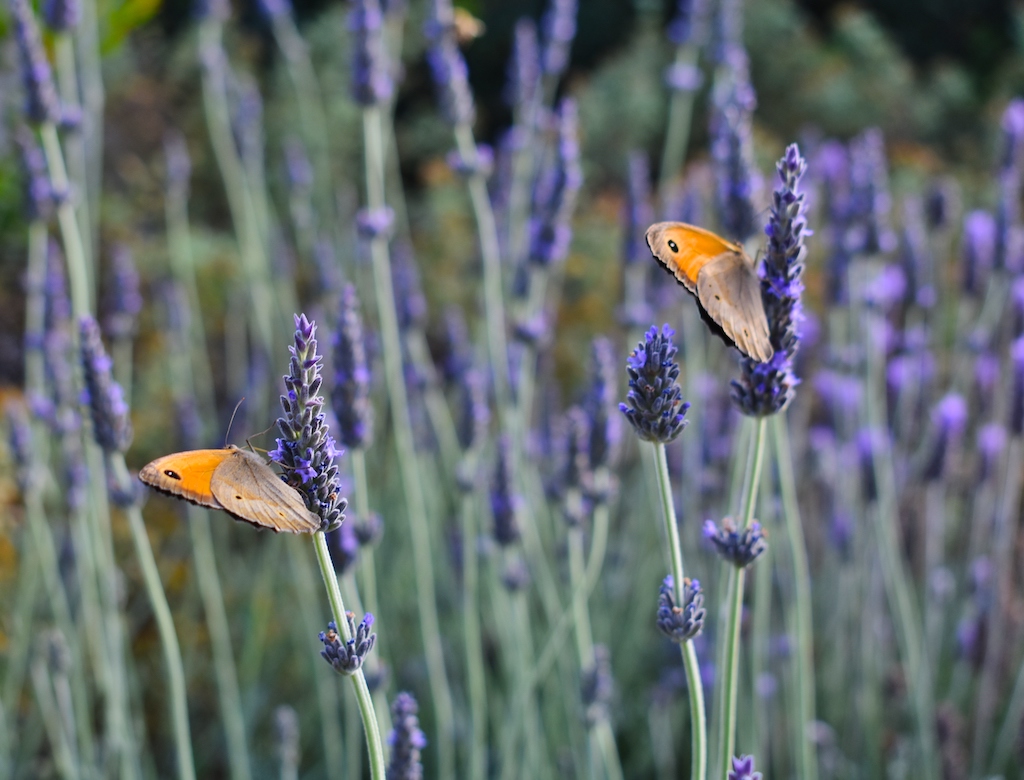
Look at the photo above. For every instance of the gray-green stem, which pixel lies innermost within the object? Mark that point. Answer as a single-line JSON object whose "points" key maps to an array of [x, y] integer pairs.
{"points": [[731, 646], [698, 718]]}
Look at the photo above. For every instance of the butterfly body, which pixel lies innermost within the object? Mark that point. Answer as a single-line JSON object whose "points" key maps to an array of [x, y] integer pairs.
{"points": [[722, 277], [239, 482]]}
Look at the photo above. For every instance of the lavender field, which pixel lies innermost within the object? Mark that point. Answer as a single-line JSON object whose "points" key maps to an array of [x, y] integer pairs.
{"points": [[533, 513]]}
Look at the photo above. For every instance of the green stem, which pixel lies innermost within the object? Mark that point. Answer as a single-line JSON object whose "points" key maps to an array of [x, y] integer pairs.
{"points": [[802, 660], [60, 739], [165, 624], [731, 645], [408, 461], [374, 746], [476, 680], [698, 718], [677, 133], [208, 581]]}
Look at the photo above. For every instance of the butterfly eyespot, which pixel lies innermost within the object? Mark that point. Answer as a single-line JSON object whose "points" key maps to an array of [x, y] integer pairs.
{"points": [[673, 245], [718, 297], [238, 498], [172, 474]]}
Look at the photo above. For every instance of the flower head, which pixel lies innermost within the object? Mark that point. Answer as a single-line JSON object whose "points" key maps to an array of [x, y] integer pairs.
{"points": [[371, 78], [681, 623], [597, 686], [949, 418], [111, 424], [406, 740], [38, 193], [687, 26], [740, 548], [123, 302], [743, 769], [350, 398], [305, 448], [554, 196], [62, 15], [599, 405], [524, 69], [732, 148], [767, 388], [448, 66], [41, 102], [654, 405], [870, 202], [347, 656], [639, 211], [559, 27], [978, 249], [504, 500]]}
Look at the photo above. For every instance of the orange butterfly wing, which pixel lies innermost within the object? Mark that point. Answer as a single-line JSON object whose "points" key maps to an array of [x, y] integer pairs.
{"points": [[186, 475], [685, 249]]}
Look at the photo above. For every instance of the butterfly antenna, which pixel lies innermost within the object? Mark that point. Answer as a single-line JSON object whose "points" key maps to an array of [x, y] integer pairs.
{"points": [[227, 433], [249, 443]]}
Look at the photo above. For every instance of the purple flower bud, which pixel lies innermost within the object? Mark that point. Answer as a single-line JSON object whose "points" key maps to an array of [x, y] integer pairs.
{"points": [[38, 195], [111, 423], [554, 197], [639, 211], [504, 500], [306, 448], [991, 442], [1017, 394], [978, 250], [733, 151], [122, 302], [597, 686], [451, 77], [559, 26], [738, 547], [344, 546], [524, 69], [350, 397], [481, 163], [870, 444], [1013, 134], [371, 77], [273, 9], [949, 419], [767, 388], [687, 26], [347, 656], [743, 769], [62, 15], [300, 172], [681, 623], [474, 415], [375, 223], [871, 203], [41, 103], [654, 405], [683, 77], [406, 740]]}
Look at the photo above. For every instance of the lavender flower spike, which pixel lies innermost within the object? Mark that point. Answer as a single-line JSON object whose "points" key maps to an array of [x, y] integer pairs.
{"points": [[371, 78], [504, 501], [559, 27], [654, 405], [41, 103], [766, 388], [347, 656], [554, 197], [38, 194], [350, 398], [740, 548], [451, 76], [123, 301], [406, 740], [743, 769], [523, 69], [732, 148], [62, 16], [681, 623], [111, 424], [306, 448]]}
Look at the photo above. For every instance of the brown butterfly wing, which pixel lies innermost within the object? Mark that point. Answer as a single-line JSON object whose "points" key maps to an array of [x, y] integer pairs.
{"points": [[248, 489], [684, 249], [186, 475], [728, 288]]}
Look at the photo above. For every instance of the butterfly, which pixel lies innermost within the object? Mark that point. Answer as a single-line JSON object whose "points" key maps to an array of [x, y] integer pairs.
{"points": [[722, 278], [239, 482]]}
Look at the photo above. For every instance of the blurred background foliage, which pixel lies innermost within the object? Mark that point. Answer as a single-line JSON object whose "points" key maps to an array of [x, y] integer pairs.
{"points": [[933, 75]]}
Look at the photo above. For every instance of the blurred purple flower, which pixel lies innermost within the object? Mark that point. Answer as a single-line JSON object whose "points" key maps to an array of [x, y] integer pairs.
{"points": [[448, 66], [870, 202], [111, 422], [743, 769], [738, 547], [978, 250], [681, 623], [406, 740], [524, 70], [597, 686], [687, 25], [1017, 393], [504, 500], [372, 84], [554, 196], [123, 301], [62, 16], [41, 102], [733, 150], [639, 211], [559, 29], [350, 397], [949, 418], [38, 194]]}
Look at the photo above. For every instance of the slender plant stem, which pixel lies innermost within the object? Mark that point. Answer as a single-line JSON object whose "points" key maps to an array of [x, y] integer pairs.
{"points": [[208, 581], [361, 500], [731, 649], [60, 739], [164, 622], [476, 679], [374, 746], [802, 660], [408, 462], [698, 718], [680, 113]]}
